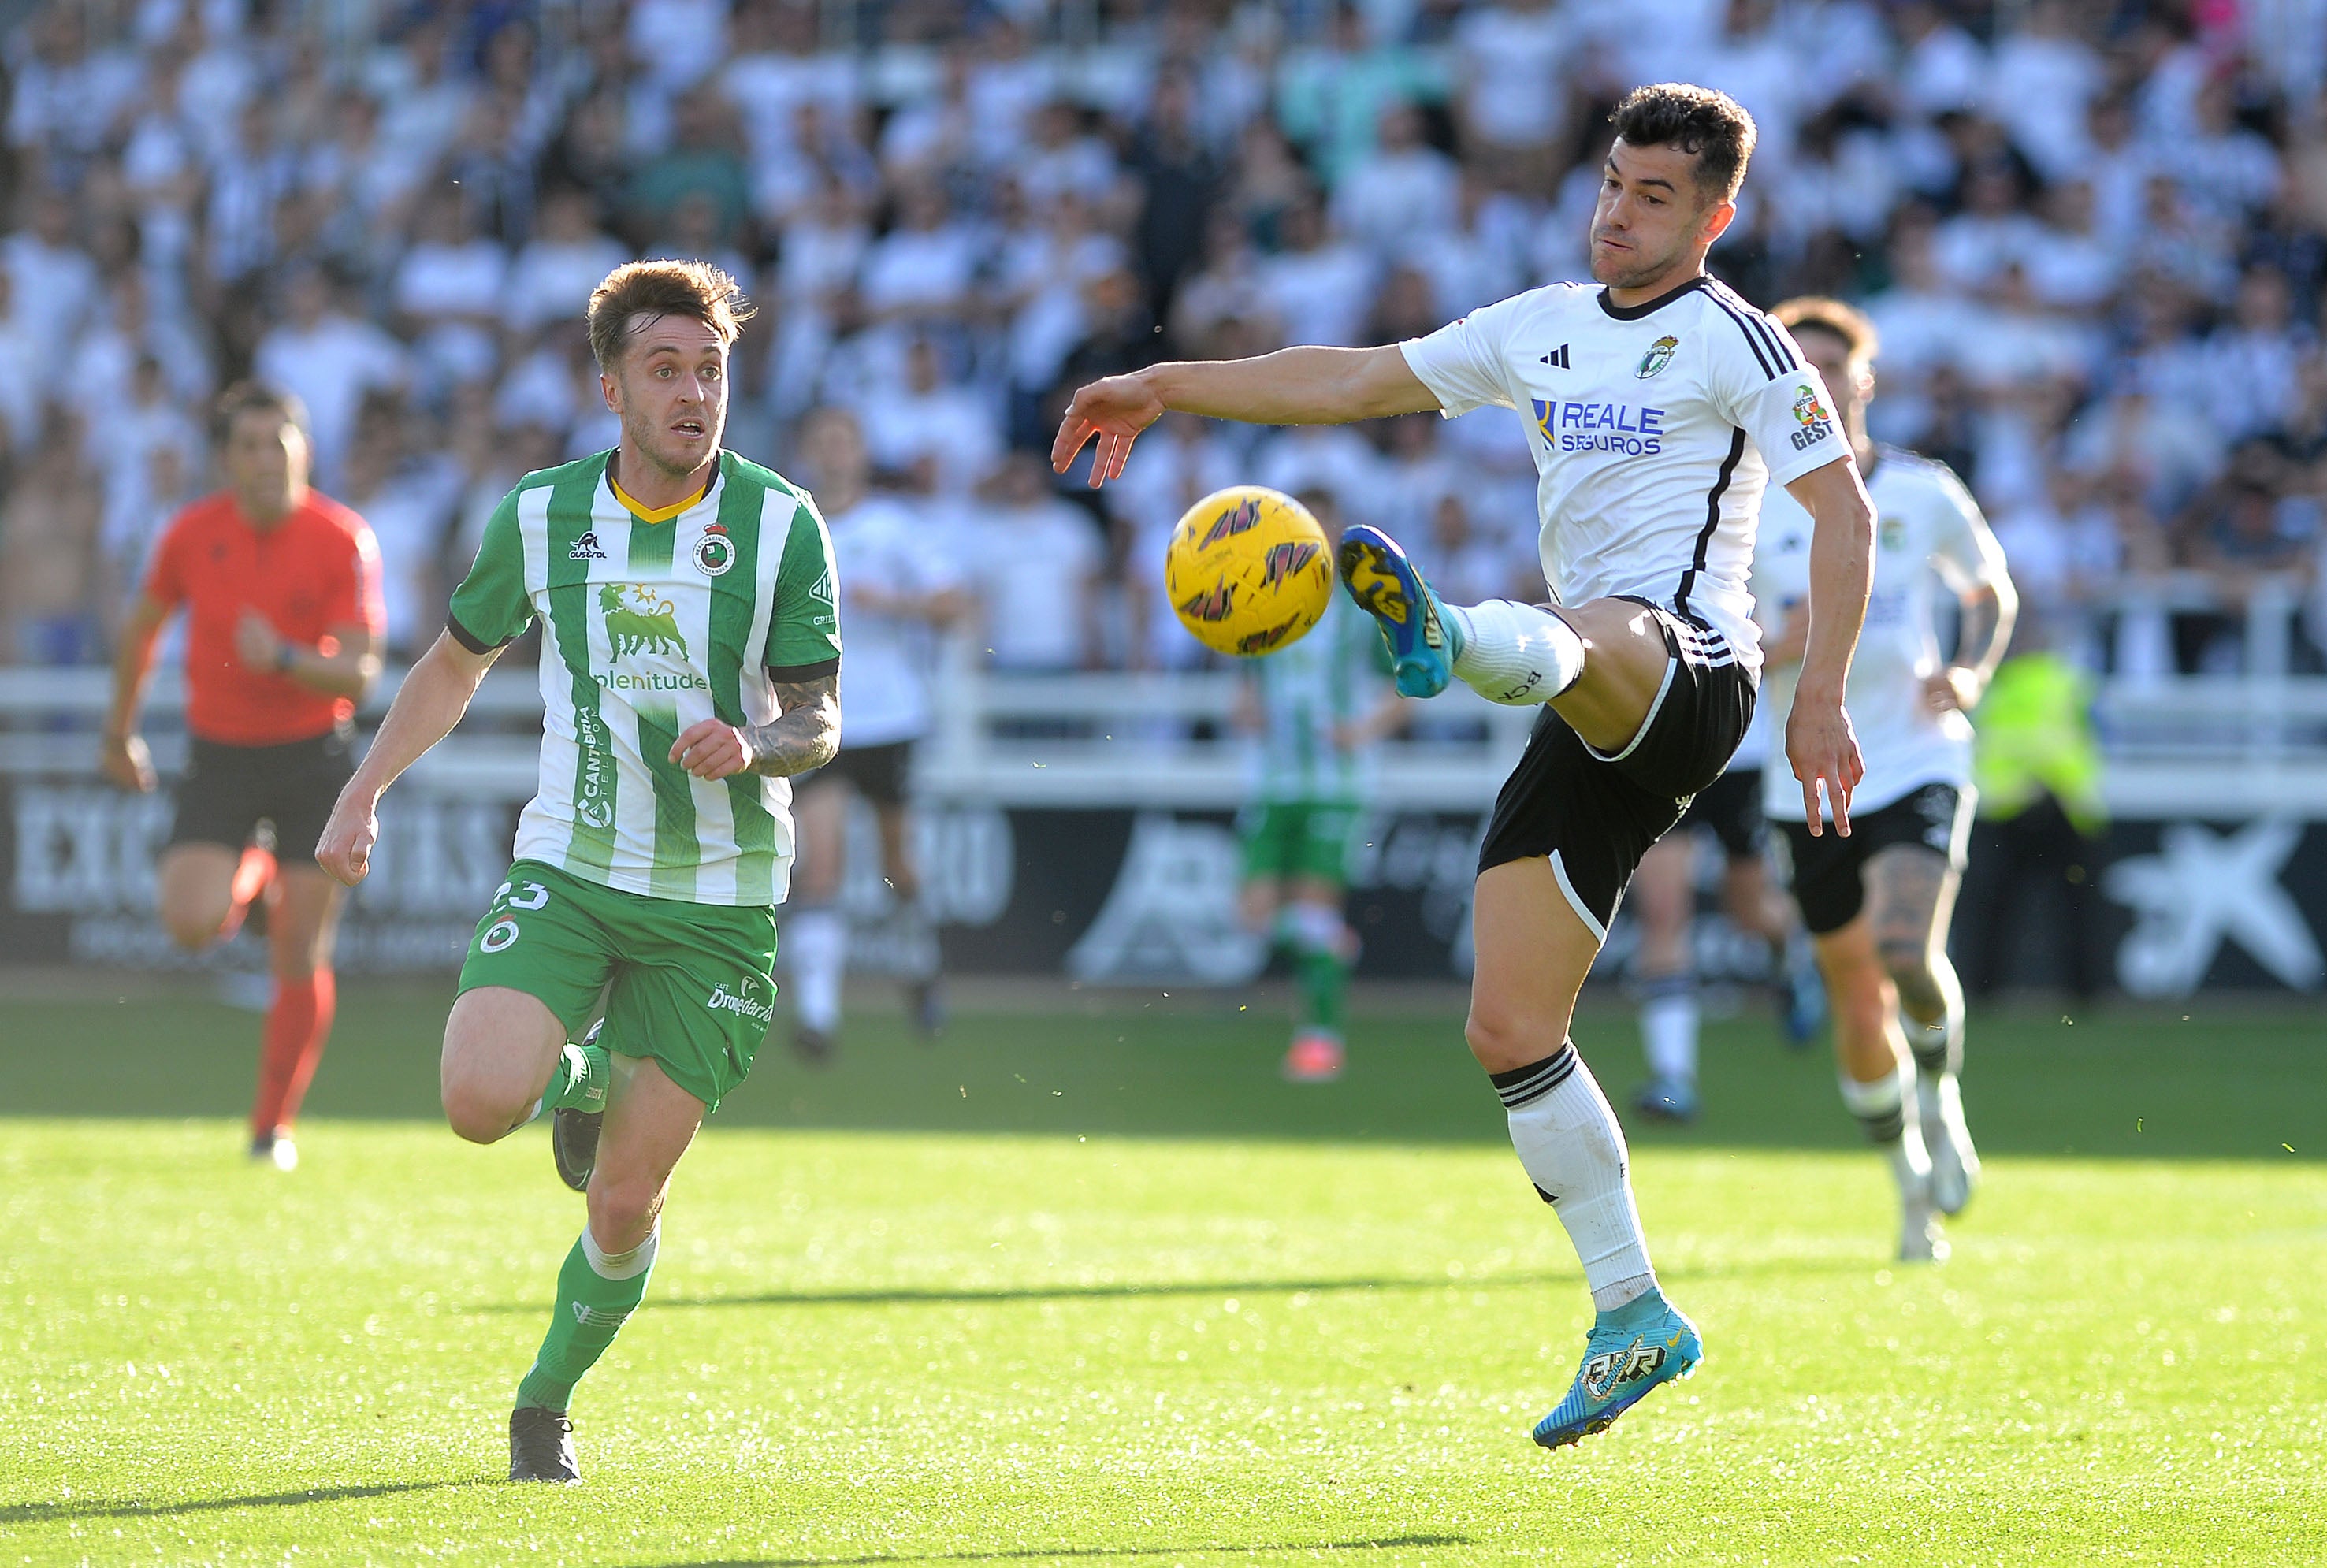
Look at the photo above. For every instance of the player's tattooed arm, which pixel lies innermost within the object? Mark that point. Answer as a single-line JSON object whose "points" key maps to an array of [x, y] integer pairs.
{"points": [[804, 734]]}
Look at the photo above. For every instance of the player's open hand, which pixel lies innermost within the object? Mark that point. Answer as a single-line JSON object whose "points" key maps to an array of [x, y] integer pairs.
{"points": [[1824, 751], [128, 762], [1116, 410], [712, 750], [345, 849]]}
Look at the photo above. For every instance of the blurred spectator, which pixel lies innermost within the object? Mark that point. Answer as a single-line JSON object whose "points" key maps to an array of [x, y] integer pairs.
{"points": [[328, 360], [448, 293], [1034, 563], [48, 560]]}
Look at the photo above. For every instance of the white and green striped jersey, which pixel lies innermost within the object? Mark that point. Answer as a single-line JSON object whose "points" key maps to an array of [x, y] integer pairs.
{"points": [[1336, 675], [652, 621]]}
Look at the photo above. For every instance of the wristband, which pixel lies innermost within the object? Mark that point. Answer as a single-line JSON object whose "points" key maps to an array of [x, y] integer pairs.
{"points": [[285, 655]]}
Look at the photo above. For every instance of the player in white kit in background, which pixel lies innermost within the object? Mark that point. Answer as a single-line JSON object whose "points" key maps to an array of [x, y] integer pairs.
{"points": [[1658, 407], [1664, 902], [1878, 903], [898, 588]]}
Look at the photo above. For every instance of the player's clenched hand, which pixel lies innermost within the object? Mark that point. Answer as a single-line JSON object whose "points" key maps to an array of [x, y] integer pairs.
{"points": [[712, 750], [1116, 410], [126, 762], [1823, 750], [345, 849], [1953, 688]]}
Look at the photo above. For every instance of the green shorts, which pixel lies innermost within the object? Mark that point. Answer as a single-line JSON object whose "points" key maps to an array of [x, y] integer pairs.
{"points": [[693, 985], [1299, 838]]}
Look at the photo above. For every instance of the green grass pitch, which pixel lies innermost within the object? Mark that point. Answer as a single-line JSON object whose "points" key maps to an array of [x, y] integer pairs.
{"points": [[1090, 1285]]}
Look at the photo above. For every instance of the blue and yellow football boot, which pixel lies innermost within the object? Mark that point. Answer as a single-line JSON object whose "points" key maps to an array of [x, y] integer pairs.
{"points": [[1629, 1351], [1422, 642]]}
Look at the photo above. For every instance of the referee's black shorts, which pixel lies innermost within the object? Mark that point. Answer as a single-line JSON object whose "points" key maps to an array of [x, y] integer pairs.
{"points": [[1594, 815], [227, 791], [879, 773]]}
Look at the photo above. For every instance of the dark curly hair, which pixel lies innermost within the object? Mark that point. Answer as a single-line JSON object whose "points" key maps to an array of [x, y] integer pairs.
{"points": [[1711, 124]]}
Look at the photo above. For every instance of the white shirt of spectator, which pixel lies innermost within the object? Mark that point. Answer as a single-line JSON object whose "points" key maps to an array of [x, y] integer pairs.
{"points": [[886, 543], [1513, 69], [1928, 532], [331, 368], [551, 280], [1033, 567], [1655, 428]]}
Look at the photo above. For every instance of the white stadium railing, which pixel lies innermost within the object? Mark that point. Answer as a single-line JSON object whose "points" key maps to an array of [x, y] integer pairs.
{"points": [[2221, 746]]}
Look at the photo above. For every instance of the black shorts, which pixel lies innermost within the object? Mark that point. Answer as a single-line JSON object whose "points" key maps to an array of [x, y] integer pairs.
{"points": [[878, 773], [1828, 874], [1595, 816], [1732, 806], [227, 791]]}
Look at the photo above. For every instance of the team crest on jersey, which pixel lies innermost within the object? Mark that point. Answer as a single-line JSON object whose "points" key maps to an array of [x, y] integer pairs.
{"points": [[1891, 533], [714, 553], [1212, 604], [587, 549], [1236, 519], [1283, 560], [1660, 355]]}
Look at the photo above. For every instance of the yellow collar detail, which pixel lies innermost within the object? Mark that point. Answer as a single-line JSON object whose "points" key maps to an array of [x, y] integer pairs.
{"points": [[657, 514]]}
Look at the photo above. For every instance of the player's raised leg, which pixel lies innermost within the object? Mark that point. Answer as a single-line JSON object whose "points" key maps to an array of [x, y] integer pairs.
{"points": [[1877, 1078], [649, 1122], [1534, 951], [1910, 893]]}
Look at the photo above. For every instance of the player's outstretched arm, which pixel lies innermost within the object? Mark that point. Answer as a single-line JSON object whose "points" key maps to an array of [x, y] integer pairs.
{"points": [[803, 735], [429, 703], [1304, 385], [1818, 739]]}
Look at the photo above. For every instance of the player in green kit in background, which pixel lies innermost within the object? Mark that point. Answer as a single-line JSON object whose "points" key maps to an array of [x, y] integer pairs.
{"points": [[690, 668], [1315, 708]]}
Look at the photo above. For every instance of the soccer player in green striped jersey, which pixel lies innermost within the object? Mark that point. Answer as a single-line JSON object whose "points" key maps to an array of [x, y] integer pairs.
{"points": [[690, 667]]}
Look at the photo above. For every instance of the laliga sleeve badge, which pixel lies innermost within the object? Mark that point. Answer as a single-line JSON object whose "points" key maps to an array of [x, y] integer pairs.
{"points": [[714, 553]]}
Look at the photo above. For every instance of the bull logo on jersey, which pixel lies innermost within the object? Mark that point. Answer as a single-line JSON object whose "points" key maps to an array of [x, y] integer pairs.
{"points": [[1283, 560], [1816, 423], [645, 625], [1212, 604], [714, 553], [1660, 355], [1236, 519]]}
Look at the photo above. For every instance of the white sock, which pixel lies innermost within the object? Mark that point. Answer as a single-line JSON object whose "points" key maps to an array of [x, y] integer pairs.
{"points": [[621, 1265], [1668, 1015], [1937, 1051], [1889, 1113], [816, 937], [1515, 654], [1572, 1150]]}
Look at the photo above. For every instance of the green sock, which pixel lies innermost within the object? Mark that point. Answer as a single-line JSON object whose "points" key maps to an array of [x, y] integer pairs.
{"points": [[1324, 981], [579, 1084], [596, 1293]]}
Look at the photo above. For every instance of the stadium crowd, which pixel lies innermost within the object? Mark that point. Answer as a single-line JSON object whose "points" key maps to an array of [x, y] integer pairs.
{"points": [[2094, 238]]}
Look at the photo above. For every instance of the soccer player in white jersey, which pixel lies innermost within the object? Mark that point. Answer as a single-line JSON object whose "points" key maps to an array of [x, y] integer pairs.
{"points": [[690, 666], [1659, 407], [896, 590], [1664, 902], [1877, 903]]}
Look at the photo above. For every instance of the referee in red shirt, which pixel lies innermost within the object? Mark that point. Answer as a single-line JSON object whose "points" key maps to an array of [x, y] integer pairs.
{"points": [[281, 587]]}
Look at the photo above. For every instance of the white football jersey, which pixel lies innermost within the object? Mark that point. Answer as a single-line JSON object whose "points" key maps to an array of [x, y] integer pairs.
{"points": [[887, 545], [1655, 427], [1927, 532]]}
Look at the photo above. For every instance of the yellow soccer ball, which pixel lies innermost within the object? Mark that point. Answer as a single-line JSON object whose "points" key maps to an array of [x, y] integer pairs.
{"points": [[1249, 570]]}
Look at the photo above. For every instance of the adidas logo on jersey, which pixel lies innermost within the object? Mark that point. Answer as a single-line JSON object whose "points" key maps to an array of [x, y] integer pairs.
{"points": [[587, 549], [1557, 358]]}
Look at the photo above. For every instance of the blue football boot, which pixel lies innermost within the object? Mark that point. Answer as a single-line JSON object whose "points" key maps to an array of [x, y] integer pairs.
{"points": [[1423, 642], [1629, 1351]]}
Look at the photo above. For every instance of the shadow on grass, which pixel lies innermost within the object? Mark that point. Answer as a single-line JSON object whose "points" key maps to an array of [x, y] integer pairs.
{"points": [[919, 1296], [105, 1509], [1041, 1554]]}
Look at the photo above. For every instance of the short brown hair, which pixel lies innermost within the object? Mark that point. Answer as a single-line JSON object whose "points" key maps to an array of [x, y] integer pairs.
{"points": [[1699, 120], [1845, 321], [693, 289], [255, 398]]}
